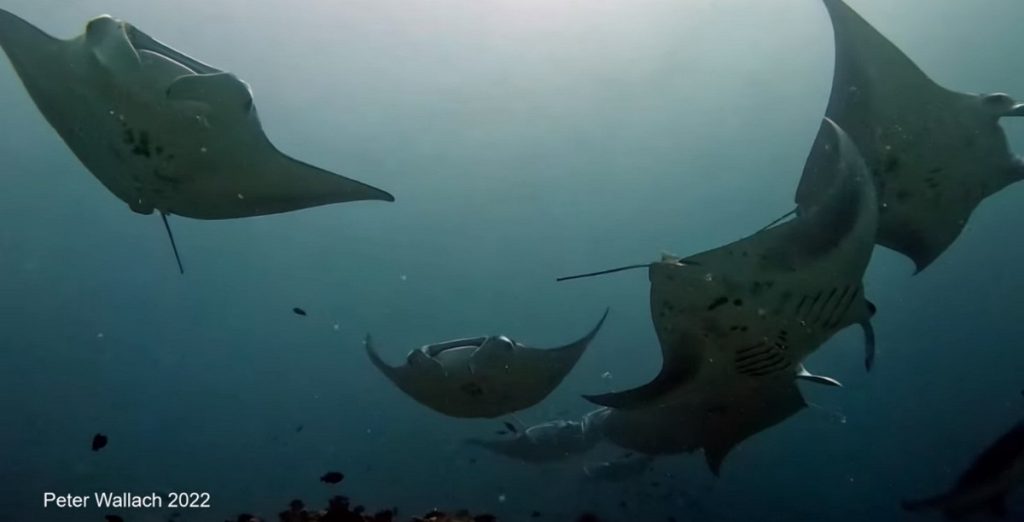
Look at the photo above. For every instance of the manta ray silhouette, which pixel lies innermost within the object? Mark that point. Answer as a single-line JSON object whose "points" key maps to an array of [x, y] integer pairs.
{"points": [[163, 131], [935, 154], [751, 311], [482, 377]]}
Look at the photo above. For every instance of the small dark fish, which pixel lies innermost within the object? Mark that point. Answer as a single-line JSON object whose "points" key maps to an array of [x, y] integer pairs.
{"points": [[511, 427], [472, 460], [299, 311], [535, 514], [99, 441], [332, 477], [501, 432], [113, 518], [298, 429]]}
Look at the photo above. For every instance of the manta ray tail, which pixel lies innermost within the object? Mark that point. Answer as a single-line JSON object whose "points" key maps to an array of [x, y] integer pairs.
{"points": [[779, 219], [174, 246], [603, 272]]}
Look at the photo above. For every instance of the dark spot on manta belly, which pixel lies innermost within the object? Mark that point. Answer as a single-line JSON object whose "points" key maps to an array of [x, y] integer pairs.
{"points": [[892, 164], [165, 178], [141, 148], [718, 302], [472, 389]]}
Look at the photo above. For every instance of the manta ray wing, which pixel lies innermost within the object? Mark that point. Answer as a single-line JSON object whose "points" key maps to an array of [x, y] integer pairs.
{"points": [[742, 417], [161, 130], [935, 153], [550, 366]]}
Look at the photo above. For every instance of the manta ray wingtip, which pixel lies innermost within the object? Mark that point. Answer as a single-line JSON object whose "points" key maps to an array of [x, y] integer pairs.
{"points": [[629, 399]]}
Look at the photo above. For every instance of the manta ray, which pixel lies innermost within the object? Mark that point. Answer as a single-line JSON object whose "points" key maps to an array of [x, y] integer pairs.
{"points": [[618, 470], [983, 488], [935, 154], [545, 442], [161, 130], [482, 377], [749, 312]]}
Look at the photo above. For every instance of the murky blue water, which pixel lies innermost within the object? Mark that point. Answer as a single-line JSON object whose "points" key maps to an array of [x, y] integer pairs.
{"points": [[524, 140]]}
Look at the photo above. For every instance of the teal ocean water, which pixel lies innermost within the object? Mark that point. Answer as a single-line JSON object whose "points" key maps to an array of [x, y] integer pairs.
{"points": [[523, 140]]}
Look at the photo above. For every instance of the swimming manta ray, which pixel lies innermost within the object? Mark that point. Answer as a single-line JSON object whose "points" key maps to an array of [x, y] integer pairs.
{"points": [[713, 423], [482, 376], [161, 130], [618, 470], [750, 312], [545, 442], [935, 153]]}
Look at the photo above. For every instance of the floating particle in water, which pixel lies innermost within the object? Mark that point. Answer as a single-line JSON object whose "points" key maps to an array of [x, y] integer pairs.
{"points": [[99, 441], [299, 311], [241, 196], [606, 376], [403, 277], [99, 335], [332, 477], [337, 327], [502, 498]]}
